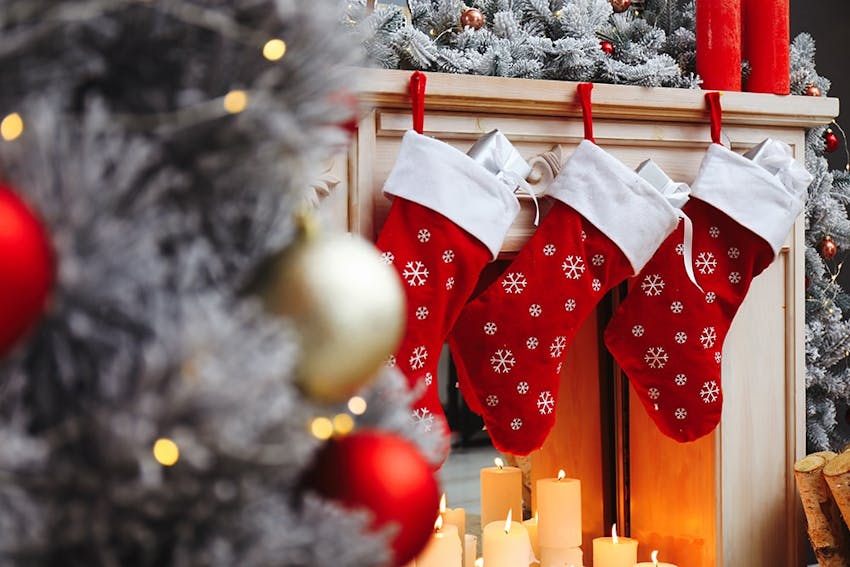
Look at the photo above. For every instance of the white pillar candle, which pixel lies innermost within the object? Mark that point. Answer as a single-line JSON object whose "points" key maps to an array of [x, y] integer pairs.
{"points": [[501, 490], [614, 551], [531, 526], [444, 548], [654, 562], [559, 510], [470, 550], [506, 544], [454, 517], [561, 556]]}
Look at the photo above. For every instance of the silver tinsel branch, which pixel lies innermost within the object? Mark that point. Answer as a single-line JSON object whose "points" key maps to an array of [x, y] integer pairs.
{"points": [[160, 206]]}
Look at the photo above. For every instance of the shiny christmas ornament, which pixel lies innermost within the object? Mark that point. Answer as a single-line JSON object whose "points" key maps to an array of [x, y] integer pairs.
{"points": [[472, 18], [831, 141], [607, 47], [812, 90], [621, 5], [386, 475], [828, 248], [26, 269], [347, 304]]}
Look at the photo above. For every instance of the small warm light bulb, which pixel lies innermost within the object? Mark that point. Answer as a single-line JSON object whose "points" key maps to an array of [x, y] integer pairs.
{"points": [[11, 127], [322, 428], [561, 474], [274, 49], [557, 13], [614, 534], [343, 424], [357, 405], [166, 452], [235, 101], [443, 504], [499, 463], [654, 556], [508, 521]]}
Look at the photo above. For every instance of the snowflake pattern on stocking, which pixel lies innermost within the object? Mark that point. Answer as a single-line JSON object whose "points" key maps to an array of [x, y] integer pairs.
{"points": [[490, 328], [710, 392], [424, 419], [638, 330], [545, 403], [652, 285], [503, 361], [418, 358], [448, 256], [598, 259], [532, 343], [424, 235], [677, 307], [680, 249], [422, 313], [656, 357], [714, 232], [570, 305], [710, 297], [705, 263], [735, 278], [516, 423], [415, 273], [387, 258], [653, 393], [734, 253], [492, 400], [573, 267], [522, 388], [680, 379], [681, 413], [391, 361], [681, 337], [549, 250], [535, 310], [557, 347], [514, 283], [596, 285], [429, 378], [450, 283]]}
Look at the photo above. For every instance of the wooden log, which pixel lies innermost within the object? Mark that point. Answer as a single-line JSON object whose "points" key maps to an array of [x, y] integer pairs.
{"points": [[828, 535], [826, 532]]}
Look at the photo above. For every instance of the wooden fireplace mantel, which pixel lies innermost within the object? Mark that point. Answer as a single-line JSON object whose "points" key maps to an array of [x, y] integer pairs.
{"points": [[729, 498]]}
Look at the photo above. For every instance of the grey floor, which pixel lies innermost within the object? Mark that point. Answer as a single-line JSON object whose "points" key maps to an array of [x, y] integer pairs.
{"points": [[460, 476]]}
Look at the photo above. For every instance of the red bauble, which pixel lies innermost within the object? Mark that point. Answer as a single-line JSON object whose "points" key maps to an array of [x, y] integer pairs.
{"points": [[812, 90], [828, 248], [386, 475], [473, 18], [621, 5], [831, 141], [26, 268], [607, 47]]}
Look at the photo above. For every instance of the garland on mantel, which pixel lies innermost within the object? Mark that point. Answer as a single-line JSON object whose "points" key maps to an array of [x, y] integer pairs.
{"points": [[649, 43]]}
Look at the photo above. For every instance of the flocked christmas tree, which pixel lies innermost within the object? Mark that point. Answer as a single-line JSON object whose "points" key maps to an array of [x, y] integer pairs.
{"points": [[149, 412]]}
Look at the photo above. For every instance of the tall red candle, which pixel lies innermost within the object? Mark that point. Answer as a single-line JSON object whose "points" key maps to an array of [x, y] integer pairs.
{"points": [[719, 44], [767, 37]]}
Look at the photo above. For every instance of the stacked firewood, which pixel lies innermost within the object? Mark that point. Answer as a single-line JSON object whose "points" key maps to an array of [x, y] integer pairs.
{"points": [[823, 480]]}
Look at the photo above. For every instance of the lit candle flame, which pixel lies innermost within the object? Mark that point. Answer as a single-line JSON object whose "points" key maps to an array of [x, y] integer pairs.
{"points": [[443, 504], [654, 556], [479, 562], [614, 534], [508, 522], [438, 525], [499, 463], [561, 474]]}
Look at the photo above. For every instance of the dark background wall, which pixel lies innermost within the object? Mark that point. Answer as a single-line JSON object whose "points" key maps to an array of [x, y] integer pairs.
{"points": [[828, 21]]}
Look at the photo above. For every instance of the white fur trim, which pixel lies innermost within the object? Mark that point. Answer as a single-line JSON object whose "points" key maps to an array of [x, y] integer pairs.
{"points": [[748, 193], [446, 180], [625, 207]]}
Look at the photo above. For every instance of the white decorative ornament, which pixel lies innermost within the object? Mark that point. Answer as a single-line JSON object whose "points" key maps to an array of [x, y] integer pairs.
{"points": [[532, 343], [681, 413], [424, 235], [549, 250], [418, 357], [708, 337], [545, 403], [514, 283], [677, 307], [535, 310], [735, 278], [503, 361], [490, 328], [652, 285], [705, 263], [656, 357], [710, 392], [422, 313], [557, 347], [680, 379], [638, 330], [448, 256], [522, 388], [681, 337], [570, 305]]}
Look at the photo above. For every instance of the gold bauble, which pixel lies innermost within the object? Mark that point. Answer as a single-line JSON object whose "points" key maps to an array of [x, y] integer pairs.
{"points": [[348, 306]]}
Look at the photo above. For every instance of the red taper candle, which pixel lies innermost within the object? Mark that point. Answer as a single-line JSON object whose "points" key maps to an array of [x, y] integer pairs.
{"points": [[719, 44], [767, 37]]}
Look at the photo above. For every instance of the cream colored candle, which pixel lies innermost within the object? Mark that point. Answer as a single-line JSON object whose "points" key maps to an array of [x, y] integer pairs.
{"points": [[531, 526], [561, 556], [470, 550], [501, 490], [655, 562], [559, 510], [506, 544], [614, 551], [454, 517], [444, 548]]}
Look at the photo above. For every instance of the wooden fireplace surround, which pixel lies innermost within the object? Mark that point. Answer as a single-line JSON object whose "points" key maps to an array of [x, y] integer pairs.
{"points": [[729, 498]]}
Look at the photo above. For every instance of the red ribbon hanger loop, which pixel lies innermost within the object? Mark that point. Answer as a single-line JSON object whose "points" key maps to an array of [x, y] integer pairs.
{"points": [[586, 109], [417, 100], [713, 99]]}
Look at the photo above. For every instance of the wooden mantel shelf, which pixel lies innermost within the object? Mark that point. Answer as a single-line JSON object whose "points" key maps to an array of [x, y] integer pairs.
{"points": [[388, 89]]}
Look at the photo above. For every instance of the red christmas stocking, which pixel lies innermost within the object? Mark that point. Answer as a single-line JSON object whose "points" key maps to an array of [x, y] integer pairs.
{"points": [[449, 218], [509, 342], [668, 334]]}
